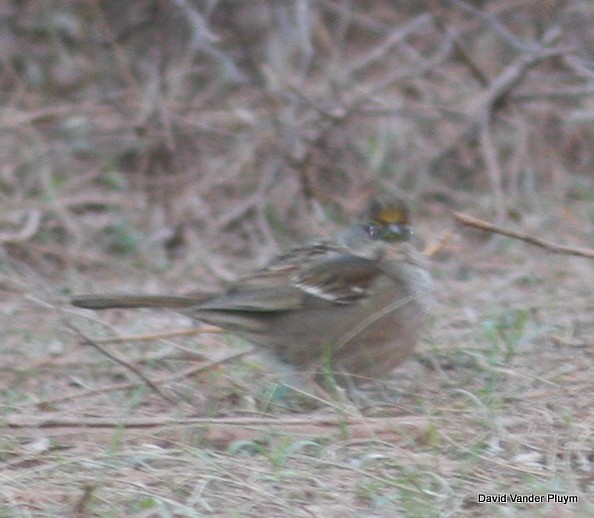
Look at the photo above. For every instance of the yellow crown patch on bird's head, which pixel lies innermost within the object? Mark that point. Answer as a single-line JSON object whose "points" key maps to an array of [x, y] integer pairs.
{"points": [[387, 219]]}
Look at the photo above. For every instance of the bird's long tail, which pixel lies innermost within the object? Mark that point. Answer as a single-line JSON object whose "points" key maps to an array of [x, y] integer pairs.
{"points": [[132, 301]]}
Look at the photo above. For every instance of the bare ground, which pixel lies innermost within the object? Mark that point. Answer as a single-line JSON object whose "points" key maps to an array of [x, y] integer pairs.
{"points": [[497, 401]]}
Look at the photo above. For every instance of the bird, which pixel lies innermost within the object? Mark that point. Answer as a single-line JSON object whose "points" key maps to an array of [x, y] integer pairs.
{"points": [[352, 305]]}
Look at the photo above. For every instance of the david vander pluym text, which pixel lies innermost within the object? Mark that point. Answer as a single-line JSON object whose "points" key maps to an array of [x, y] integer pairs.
{"points": [[515, 498]]}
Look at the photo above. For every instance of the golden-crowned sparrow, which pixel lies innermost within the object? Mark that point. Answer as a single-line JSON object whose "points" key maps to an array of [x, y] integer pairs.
{"points": [[354, 304]]}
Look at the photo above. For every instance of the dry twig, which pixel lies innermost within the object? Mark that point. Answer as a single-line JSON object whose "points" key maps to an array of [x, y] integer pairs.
{"points": [[159, 336], [31, 222], [87, 341], [471, 221], [225, 430], [191, 371]]}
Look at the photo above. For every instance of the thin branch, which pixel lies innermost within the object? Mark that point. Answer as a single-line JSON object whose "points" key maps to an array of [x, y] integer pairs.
{"points": [[87, 341], [483, 105], [191, 371], [434, 248], [471, 221], [497, 26], [396, 37], [32, 219], [565, 93], [492, 165], [231, 429], [192, 331], [512, 75], [461, 52]]}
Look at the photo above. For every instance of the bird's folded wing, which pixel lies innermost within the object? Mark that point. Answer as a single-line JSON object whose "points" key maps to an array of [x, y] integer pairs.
{"points": [[256, 298], [342, 279], [338, 279]]}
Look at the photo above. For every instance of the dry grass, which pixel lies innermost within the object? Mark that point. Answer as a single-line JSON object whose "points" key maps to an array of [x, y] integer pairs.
{"points": [[498, 400], [155, 148]]}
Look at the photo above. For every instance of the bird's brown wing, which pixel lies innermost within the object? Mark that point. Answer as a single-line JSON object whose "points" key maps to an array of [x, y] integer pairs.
{"points": [[342, 279], [303, 276]]}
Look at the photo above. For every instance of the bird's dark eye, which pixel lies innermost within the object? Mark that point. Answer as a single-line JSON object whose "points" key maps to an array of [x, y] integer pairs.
{"points": [[391, 232]]}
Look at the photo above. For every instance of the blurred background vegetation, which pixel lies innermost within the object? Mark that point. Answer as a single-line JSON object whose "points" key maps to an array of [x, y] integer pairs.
{"points": [[158, 129]]}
